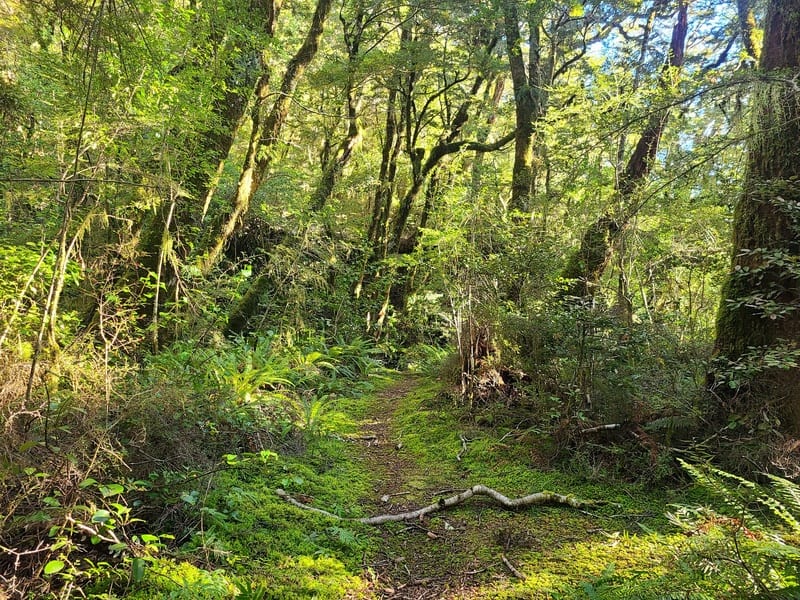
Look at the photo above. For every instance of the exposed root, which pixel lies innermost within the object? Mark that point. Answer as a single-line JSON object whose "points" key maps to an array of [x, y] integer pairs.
{"points": [[536, 499]]}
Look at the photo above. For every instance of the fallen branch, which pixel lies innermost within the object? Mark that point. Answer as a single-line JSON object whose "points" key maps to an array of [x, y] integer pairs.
{"points": [[536, 499], [512, 568], [602, 428]]}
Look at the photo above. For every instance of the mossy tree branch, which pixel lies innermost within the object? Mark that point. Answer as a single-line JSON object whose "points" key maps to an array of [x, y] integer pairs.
{"points": [[535, 499]]}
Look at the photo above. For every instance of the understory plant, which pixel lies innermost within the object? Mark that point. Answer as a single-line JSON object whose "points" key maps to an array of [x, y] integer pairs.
{"points": [[753, 532]]}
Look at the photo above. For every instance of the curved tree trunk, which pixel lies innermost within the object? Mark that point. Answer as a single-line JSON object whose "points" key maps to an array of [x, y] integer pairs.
{"points": [[246, 68], [263, 138], [333, 167], [585, 268], [760, 310]]}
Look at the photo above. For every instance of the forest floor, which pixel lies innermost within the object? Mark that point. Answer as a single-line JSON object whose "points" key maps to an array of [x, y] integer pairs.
{"points": [[405, 446], [417, 452]]}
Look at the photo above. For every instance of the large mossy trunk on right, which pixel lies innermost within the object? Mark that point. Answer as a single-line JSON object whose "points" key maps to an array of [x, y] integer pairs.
{"points": [[758, 324]]}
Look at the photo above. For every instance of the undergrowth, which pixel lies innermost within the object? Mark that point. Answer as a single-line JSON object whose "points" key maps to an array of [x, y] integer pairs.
{"points": [[157, 483]]}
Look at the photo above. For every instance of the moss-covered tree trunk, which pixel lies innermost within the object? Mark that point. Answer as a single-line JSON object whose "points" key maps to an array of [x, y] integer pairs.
{"points": [[529, 98], [264, 137], [244, 69], [760, 311], [586, 266], [382, 201]]}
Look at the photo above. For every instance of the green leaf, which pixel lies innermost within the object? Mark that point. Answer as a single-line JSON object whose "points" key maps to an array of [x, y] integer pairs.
{"points": [[112, 489], [231, 459], [137, 569], [101, 516], [121, 509], [576, 11], [54, 566]]}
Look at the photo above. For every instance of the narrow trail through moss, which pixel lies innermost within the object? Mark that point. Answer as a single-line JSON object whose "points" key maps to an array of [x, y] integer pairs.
{"points": [[409, 563], [411, 448], [411, 442]]}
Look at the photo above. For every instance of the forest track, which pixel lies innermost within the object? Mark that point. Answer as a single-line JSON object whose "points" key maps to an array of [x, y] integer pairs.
{"points": [[409, 565]]}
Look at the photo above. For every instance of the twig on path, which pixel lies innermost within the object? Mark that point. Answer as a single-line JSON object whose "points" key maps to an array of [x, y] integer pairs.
{"points": [[386, 497], [536, 499], [512, 568], [476, 571]]}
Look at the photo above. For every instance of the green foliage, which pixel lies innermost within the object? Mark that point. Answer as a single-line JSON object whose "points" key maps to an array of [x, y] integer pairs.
{"points": [[737, 374], [752, 541]]}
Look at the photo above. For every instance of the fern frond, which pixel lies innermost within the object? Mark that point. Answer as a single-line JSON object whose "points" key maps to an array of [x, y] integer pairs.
{"points": [[779, 510], [734, 492], [788, 493]]}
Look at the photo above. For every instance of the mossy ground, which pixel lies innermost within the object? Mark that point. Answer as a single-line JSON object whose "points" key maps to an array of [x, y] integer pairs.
{"points": [[400, 448], [432, 448]]}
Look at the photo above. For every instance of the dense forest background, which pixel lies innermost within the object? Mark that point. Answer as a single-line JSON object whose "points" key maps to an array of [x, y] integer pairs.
{"points": [[221, 218]]}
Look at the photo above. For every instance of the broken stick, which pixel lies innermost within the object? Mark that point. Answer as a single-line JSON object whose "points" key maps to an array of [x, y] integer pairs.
{"points": [[512, 568], [536, 499]]}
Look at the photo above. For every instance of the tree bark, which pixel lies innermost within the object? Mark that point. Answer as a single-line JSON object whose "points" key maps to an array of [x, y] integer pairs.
{"points": [[392, 142], [260, 150], [747, 27], [334, 166], [382, 201], [585, 268], [760, 309], [245, 69], [528, 101]]}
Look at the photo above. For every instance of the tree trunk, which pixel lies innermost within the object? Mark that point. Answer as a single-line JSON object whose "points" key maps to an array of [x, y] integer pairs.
{"points": [[245, 69], [422, 171], [382, 202], [747, 27], [528, 102], [263, 139], [334, 166], [585, 268], [392, 143], [760, 311]]}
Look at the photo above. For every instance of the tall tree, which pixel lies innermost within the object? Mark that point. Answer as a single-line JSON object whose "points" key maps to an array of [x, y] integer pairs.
{"points": [[760, 311], [264, 135], [334, 163], [585, 267], [529, 94], [245, 65]]}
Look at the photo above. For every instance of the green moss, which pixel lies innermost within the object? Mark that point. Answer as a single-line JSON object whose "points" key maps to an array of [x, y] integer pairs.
{"points": [[182, 580], [319, 577], [249, 537]]}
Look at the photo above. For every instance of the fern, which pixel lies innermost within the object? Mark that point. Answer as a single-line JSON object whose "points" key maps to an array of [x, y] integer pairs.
{"points": [[788, 494], [735, 493], [766, 562]]}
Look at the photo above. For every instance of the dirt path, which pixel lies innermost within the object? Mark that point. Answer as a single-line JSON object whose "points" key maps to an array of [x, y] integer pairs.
{"points": [[411, 564]]}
